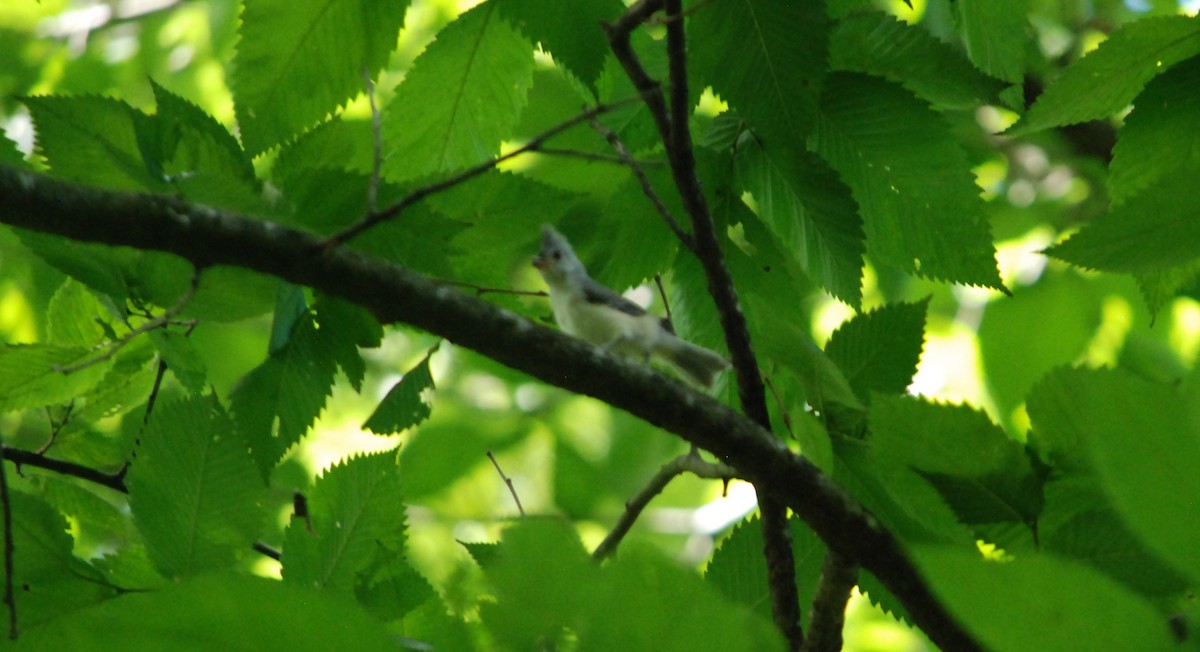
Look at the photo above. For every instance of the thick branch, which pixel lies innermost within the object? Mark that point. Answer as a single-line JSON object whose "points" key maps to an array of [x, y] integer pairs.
{"points": [[114, 481], [394, 294]]}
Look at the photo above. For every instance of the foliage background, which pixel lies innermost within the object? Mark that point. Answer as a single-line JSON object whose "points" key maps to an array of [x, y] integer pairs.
{"points": [[281, 364]]}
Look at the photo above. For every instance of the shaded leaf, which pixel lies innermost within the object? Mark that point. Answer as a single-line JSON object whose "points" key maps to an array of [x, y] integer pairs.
{"points": [[297, 60], [1151, 232], [31, 376], [920, 205], [767, 59], [574, 37], [356, 511], [1110, 77], [193, 490], [1053, 604], [1161, 135], [812, 213], [994, 34], [462, 96], [91, 140], [404, 407], [878, 44]]}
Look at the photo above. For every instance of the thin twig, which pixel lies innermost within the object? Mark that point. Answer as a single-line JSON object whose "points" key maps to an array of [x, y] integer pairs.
{"points": [[18, 457], [591, 156], [625, 157], [691, 462], [417, 195], [481, 290], [156, 323], [268, 550], [10, 597], [662, 292], [377, 143], [787, 417], [508, 481]]}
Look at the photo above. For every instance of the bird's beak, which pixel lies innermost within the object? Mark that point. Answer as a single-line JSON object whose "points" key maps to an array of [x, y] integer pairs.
{"points": [[541, 262]]}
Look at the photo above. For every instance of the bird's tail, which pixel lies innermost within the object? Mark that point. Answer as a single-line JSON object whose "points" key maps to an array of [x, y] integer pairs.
{"points": [[696, 362]]}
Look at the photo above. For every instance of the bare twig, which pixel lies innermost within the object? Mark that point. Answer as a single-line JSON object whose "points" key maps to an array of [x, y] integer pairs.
{"points": [[662, 292], [10, 597], [591, 156], [18, 457], [689, 462], [508, 481], [481, 290], [156, 323], [417, 195], [625, 157], [264, 548]]}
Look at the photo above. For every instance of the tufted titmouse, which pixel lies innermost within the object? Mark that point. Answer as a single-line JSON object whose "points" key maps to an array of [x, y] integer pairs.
{"points": [[596, 314]]}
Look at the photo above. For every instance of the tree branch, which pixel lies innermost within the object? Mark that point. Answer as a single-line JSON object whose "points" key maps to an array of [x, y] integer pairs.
{"points": [[688, 462], [674, 130], [114, 481], [828, 614], [392, 293]]}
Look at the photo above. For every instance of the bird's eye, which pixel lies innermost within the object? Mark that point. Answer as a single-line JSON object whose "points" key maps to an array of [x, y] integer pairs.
{"points": [[558, 255]]}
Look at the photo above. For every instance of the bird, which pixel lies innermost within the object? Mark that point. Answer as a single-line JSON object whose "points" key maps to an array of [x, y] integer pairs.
{"points": [[594, 313]]}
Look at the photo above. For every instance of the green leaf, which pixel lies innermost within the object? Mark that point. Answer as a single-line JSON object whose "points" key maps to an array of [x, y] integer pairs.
{"points": [[1142, 441], [737, 570], [30, 376], [193, 490], [1078, 521], [462, 96], [1048, 603], [984, 476], [920, 205], [224, 612], [181, 358], [90, 140], [356, 515], [1014, 356], [344, 327], [878, 44], [766, 58], [50, 581], [1161, 135], [297, 60], [644, 587], [899, 497], [202, 161], [1151, 232], [1110, 77], [812, 213], [74, 316], [574, 37], [994, 32], [278, 400], [823, 382], [878, 351], [101, 268], [403, 406]]}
